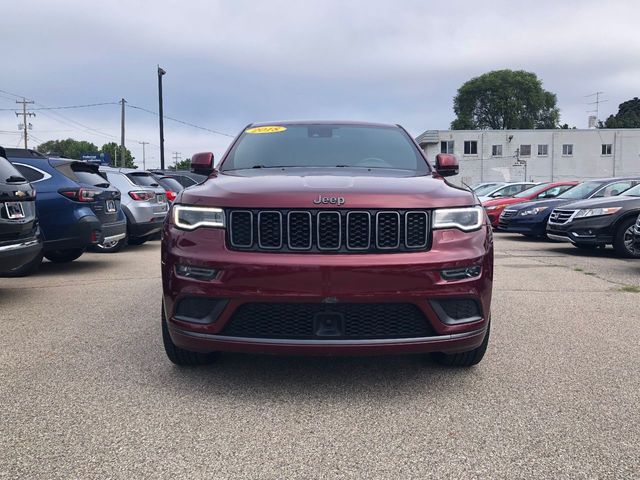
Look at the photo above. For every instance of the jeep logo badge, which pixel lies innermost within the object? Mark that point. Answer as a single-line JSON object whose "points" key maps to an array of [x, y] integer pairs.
{"points": [[329, 200]]}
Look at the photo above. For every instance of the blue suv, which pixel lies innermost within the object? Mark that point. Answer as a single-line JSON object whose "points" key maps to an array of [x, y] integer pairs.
{"points": [[76, 206]]}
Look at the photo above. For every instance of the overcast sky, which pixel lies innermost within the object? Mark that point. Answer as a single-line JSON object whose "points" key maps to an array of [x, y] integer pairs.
{"points": [[230, 63]]}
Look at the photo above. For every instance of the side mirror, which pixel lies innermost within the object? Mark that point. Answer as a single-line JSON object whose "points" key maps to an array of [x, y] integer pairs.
{"points": [[202, 163], [447, 165]]}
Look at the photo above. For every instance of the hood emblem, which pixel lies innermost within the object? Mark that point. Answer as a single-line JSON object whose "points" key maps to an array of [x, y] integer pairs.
{"points": [[329, 200]]}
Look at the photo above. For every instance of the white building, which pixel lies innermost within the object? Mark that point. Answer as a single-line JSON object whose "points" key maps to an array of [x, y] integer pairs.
{"points": [[538, 155]]}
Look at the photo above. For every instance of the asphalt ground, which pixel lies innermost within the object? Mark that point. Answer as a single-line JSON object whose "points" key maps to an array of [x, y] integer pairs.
{"points": [[86, 390]]}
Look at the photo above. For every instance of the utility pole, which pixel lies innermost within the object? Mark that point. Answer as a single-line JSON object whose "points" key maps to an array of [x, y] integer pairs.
{"points": [[176, 155], [596, 103], [25, 115], [122, 147], [144, 167], [161, 72]]}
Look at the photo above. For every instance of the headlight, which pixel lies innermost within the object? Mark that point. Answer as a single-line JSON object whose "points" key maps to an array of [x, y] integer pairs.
{"points": [[532, 211], [494, 207], [190, 218], [595, 212], [467, 219]]}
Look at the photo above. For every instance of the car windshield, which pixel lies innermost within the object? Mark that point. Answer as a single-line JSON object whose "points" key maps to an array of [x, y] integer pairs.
{"points": [[485, 189], [529, 191], [632, 192], [582, 190], [325, 145]]}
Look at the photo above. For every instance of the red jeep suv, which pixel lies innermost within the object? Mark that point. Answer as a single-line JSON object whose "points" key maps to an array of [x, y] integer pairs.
{"points": [[326, 239]]}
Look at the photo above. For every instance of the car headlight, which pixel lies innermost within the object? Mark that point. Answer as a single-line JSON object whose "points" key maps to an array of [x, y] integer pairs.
{"points": [[190, 218], [466, 219], [494, 207], [596, 212], [532, 211]]}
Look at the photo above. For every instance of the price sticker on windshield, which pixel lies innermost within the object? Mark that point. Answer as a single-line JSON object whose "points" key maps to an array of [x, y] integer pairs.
{"points": [[267, 129]]}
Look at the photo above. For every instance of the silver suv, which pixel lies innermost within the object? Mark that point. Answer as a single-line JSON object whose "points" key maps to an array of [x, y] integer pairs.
{"points": [[144, 203]]}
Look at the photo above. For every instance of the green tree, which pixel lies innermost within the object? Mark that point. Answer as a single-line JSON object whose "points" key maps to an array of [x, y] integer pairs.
{"points": [[182, 165], [628, 115], [504, 99], [111, 148], [68, 148]]}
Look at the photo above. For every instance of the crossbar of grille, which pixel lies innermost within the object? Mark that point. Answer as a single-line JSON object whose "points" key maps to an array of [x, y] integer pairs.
{"points": [[329, 231]]}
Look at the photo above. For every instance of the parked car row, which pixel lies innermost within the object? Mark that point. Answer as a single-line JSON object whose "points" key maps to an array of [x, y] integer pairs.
{"points": [[57, 208], [591, 214]]}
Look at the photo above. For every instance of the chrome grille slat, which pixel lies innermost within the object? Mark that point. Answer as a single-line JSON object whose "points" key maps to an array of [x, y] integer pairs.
{"points": [[329, 231], [560, 216]]}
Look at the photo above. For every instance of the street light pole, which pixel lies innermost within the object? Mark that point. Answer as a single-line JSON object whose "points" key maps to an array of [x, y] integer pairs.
{"points": [[161, 72], [144, 165]]}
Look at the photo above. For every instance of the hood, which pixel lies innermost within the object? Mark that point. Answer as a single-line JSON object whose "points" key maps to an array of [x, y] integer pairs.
{"points": [[315, 189], [617, 201], [549, 203], [503, 201]]}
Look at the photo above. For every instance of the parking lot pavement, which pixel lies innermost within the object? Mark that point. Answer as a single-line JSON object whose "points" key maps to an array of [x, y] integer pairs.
{"points": [[86, 391]]}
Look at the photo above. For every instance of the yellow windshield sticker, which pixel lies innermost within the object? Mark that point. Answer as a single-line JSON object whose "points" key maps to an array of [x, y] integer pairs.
{"points": [[269, 129]]}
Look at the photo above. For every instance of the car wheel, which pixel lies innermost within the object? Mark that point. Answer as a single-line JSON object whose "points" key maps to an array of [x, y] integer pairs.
{"points": [[64, 256], [623, 242], [110, 247], [180, 356], [137, 240], [26, 269], [464, 359]]}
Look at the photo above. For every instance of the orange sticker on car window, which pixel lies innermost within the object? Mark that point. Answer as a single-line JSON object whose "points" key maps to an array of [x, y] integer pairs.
{"points": [[269, 129]]}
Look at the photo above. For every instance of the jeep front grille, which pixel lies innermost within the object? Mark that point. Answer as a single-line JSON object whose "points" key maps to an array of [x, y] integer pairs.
{"points": [[329, 231]]}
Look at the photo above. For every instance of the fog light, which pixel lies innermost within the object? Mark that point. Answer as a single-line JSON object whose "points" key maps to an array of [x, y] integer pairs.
{"points": [[461, 273], [198, 273]]}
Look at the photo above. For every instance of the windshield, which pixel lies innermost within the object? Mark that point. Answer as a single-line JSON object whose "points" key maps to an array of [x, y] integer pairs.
{"points": [[485, 189], [582, 190], [530, 191], [359, 146], [632, 192]]}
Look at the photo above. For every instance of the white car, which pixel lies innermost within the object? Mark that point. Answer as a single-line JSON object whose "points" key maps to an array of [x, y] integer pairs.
{"points": [[506, 190]]}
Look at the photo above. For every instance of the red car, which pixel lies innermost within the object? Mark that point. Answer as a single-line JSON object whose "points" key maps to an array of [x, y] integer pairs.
{"points": [[494, 207], [326, 239]]}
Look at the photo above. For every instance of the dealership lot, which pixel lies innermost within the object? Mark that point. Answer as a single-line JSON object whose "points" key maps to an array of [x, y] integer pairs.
{"points": [[86, 389]]}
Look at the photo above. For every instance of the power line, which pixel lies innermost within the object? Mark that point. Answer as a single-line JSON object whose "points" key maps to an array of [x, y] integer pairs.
{"points": [[65, 107], [182, 121]]}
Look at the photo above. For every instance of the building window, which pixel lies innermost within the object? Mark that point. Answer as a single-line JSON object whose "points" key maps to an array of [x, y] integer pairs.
{"points": [[470, 147], [543, 150], [525, 150], [446, 146], [567, 149], [606, 149], [496, 150]]}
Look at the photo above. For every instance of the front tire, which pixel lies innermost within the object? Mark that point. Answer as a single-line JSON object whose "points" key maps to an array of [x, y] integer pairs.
{"points": [[180, 356], [137, 240], [64, 256], [464, 359], [623, 240]]}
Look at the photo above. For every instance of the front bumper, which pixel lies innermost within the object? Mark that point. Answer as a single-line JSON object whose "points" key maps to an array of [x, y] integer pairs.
{"points": [[529, 225], [584, 231], [246, 278]]}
